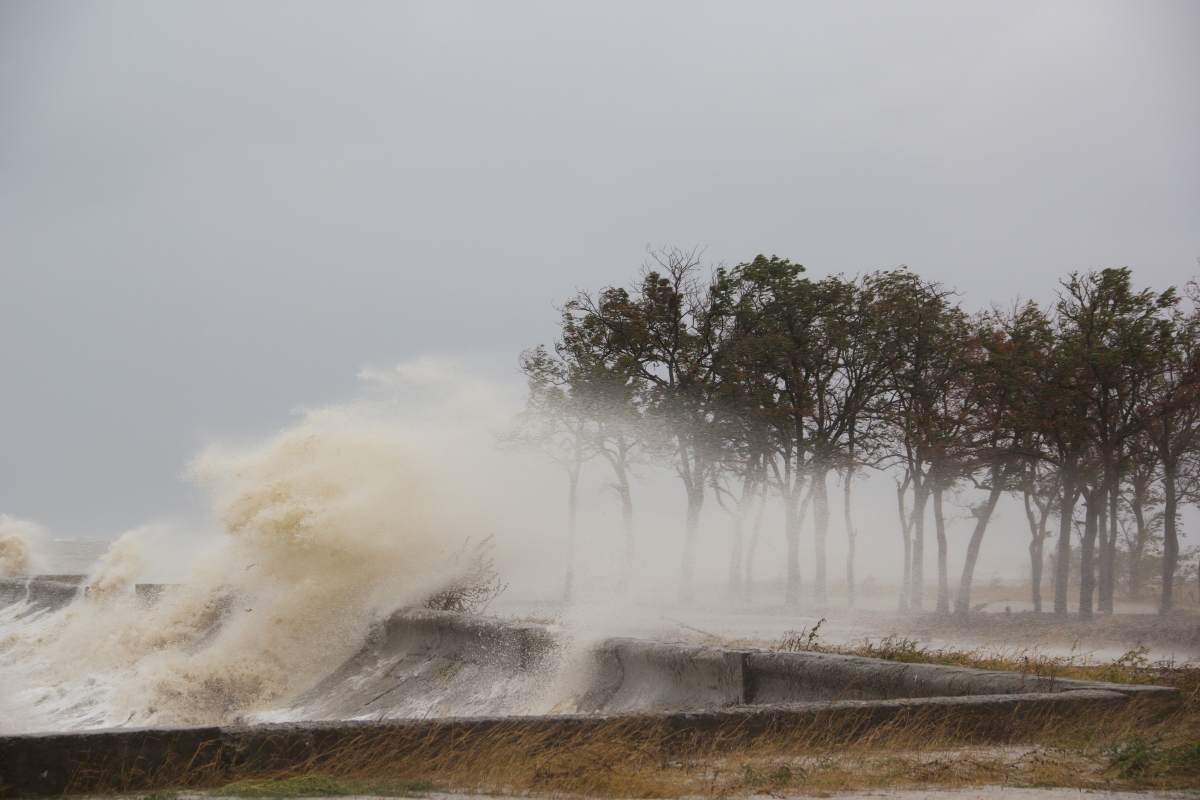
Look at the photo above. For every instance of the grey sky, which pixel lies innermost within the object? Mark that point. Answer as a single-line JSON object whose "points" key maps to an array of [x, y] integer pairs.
{"points": [[213, 213]]}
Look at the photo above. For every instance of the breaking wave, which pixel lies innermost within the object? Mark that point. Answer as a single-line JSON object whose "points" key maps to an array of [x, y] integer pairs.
{"points": [[326, 528]]}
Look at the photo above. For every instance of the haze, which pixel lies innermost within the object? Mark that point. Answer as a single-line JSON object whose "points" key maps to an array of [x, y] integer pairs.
{"points": [[212, 214]]}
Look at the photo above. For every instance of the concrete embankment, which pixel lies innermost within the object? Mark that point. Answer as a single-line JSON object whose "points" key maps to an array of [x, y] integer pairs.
{"points": [[445, 683], [142, 759], [52, 592], [422, 663]]}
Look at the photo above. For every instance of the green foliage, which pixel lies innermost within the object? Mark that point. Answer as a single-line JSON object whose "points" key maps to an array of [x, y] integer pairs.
{"points": [[777, 777], [805, 640], [323, 786], [760, 377], [1138, 757], [899, 648]]}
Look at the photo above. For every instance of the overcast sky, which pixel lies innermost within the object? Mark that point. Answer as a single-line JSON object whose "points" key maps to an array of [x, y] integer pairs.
{"points": [[214, 213]]}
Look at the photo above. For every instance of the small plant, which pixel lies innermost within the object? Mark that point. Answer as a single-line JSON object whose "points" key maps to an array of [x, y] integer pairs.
{"points": [[1141, 758], [1135, 659], [897, 648], [475, 582], [803, 641]]}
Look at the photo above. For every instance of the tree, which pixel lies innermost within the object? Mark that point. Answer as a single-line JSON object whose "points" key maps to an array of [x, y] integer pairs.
{"points": [[609, 382], [924, 372], [1060, 417], [662, 335], [1110, 332], [557, 422], [1170, 411], [1039, 492], [1000, 437], [768, 314]]}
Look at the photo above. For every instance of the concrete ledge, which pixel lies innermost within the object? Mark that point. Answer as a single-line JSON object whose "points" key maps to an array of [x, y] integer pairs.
{"points": [[633, 674], [43, 592]]}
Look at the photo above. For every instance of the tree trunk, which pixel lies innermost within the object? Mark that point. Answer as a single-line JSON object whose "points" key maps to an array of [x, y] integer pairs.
{"points": [[1037, 538], [1062, 566], [687, 574], [1108, 583], [736, 553], [1170, 539], [821, 528], [1087, 561], [905, 530], [939, 522], [1035, 565], [627, 522], [1102, 545], [916, 600], [748, 583], [572, 515], [851, 536], [734, 590], [962, 604], [1139, 546], [792, 523]]}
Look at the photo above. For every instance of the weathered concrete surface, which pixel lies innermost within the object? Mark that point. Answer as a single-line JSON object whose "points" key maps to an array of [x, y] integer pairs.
{"points": [[422, 663], [52, 592], [45, 592], [789, 677], [433, 662], [634, 675]]}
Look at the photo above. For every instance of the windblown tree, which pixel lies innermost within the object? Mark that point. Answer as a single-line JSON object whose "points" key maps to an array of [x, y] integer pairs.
{"points": [[1060, 413], [608, 379], [739, 476], [758, 380], [1140, 524], [767, 312], [662, 335], [558, 422], [1000, 441], [1039, 494], [1110, 333], [860, 401], [850, 364], [1170, 410], [924, 378]]}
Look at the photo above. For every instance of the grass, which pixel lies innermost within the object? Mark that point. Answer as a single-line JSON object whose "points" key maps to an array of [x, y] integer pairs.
{"points": [[1135, 747], [1138, 759], [324, 786]]}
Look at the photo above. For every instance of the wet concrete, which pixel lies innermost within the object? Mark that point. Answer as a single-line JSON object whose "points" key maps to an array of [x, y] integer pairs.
{"points": [[422, 662]]}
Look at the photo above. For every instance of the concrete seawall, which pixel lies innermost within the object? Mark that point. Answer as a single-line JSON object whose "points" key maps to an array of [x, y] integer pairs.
{"points": [[142, 759], [429, 662], [447, 680], [52, 592]]}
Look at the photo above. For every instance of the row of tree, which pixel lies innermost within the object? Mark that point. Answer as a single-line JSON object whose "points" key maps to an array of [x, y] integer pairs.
{"points": [[758, 382]]}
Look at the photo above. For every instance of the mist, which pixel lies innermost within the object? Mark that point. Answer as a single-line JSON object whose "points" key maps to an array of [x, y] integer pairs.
{"points": [[214, 215], [268, 269]]}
